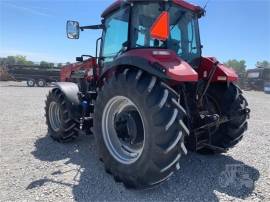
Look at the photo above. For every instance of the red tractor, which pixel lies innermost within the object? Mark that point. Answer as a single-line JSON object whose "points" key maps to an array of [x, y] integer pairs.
{"points": [[152, 96]]}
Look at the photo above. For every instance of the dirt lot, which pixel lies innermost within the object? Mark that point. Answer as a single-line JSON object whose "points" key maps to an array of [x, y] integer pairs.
{"points": [[33, 167]]}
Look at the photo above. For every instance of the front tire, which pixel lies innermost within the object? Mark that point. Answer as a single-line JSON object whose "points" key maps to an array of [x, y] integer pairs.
{"points": [[61, 126], [159, 141]]}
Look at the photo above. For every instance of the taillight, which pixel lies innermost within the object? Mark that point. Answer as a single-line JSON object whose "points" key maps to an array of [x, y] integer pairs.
{"points": [[222, 78]]}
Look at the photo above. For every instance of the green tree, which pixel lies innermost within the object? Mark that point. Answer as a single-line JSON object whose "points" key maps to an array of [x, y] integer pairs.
{"points": [[51, 65], [238, 66], [265, 64], [10, 60], [29, 63], [59, 65], [20, 60], [44, 64], [15, 60]]}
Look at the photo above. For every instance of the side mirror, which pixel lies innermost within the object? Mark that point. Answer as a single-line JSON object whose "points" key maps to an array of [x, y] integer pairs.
{"points": [[73, 29], [79, 59]]}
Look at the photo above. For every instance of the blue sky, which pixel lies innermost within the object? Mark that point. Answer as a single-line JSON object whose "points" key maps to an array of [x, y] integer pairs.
{"points": [[231, 29]]}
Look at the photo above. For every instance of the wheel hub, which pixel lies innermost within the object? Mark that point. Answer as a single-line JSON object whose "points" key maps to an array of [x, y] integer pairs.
{"points": [[128, 126]]}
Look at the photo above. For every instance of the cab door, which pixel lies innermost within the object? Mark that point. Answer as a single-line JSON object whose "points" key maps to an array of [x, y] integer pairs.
{"points": [[114, 37]]}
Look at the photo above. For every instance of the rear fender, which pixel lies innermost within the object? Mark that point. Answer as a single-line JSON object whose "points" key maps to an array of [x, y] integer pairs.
{"points": [[222, 74], [71, 91], [166, 67]]}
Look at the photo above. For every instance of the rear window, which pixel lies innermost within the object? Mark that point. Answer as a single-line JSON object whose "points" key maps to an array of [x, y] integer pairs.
{"points": [[253, 75], [266, 74]]}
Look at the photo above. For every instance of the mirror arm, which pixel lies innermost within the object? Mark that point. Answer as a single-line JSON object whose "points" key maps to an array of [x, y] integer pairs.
{"points": [[101, 26]]}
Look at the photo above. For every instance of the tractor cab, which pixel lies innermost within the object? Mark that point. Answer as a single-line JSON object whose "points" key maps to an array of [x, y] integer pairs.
{"points": [[152, 24], [155, 25]]}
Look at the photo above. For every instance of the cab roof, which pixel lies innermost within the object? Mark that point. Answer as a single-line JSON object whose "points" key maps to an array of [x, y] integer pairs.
{"points": [[116, 5]]}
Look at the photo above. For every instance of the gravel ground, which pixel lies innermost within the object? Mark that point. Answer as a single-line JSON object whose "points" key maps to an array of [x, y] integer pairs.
{"points": [[35, 168]]}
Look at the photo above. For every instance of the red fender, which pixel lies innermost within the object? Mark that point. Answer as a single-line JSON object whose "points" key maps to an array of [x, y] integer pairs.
{"points": [[176, 69], [223, 73]]}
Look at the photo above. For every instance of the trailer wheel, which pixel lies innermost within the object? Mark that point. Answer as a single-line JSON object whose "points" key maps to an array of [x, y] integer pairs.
{"points": [[61, 126], [139, 129], [232, 104], [31, 82], [41, 83]]}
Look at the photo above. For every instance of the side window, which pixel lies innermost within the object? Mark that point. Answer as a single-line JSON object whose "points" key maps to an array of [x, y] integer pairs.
{"points": [[192, 37], [144, 15], [141, 36], [175, 42], [253, 75], [116, 34]]}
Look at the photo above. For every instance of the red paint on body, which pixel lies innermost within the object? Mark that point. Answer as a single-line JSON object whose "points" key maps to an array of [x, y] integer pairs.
{"points": [[176, 68], [188, 6], [116, 5], [86, 65], [222, 70]]}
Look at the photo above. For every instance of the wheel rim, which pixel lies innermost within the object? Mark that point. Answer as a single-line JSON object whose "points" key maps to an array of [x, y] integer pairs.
{"points": [[41, 83], [54, 116], [31, 83], [125, 145]]}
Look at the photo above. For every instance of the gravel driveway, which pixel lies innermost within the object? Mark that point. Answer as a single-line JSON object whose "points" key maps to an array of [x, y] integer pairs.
{"points": [[33, 167]]}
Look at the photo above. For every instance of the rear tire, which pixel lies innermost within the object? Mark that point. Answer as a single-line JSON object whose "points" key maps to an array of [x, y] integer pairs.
{"points": [[31, 82], [163, 129], [230, 100], [61, 127]]}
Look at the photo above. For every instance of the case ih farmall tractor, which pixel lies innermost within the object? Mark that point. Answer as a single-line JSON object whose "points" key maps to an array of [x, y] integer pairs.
{"points": [[152, 95]]}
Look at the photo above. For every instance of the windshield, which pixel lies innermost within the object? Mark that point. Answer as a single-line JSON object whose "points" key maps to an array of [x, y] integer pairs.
{"points": [[184, 32], [266, 74], [253, 75]]}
